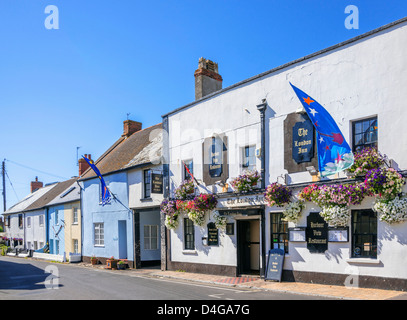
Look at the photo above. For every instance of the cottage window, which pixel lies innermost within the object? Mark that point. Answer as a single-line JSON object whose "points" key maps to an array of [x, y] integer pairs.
{"points": [[364, 234], [41, 220], [56, 216], [75, 246], [279, 232], [75, 216], [147, 183], [28, 222], [364, 133], [20, 220], [150, 237], [189, 234], [99, 235]]}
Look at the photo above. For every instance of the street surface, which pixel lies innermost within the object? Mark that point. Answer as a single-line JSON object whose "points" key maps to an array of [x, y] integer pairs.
{"points": [[26, 279]]}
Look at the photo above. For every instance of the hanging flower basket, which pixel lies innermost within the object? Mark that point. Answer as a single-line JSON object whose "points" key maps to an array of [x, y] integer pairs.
{"points": [[336, 216], [169, 209], [277, 195], [246, 182], [338, 194], [220, 221], [392, 211], [385, 183], [309, 193], [205, 202], [197, 217], [293, 210], [185, 190]]}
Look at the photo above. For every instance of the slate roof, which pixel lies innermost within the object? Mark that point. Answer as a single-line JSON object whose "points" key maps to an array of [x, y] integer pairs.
{"points": [[29, 200], [43, 201], [142, 147], [71, 193]]}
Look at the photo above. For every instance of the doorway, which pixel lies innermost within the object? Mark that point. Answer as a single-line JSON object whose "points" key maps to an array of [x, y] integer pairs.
{"points": [[248, 247], [122, 239]]}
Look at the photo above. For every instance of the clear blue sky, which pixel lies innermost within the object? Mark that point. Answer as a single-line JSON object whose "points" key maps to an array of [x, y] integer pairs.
{"points": [[72, 87]]}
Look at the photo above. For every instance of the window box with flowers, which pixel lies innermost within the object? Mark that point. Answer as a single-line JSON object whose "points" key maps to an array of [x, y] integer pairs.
{"points": [[246, 182]]}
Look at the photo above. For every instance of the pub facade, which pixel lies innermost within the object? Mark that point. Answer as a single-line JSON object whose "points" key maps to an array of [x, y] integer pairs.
{"points": [[260, 125]]}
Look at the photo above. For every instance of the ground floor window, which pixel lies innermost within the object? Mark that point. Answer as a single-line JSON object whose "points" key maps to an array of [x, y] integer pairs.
{"points": [[99, 234], [150, 237], [189, 234], [279, 232], [364, 234], [75, 246]]}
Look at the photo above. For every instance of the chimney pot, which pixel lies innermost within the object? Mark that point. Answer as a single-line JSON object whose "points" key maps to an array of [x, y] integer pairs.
{"points": [[35, 185], [130, 127], [207, 78], [83, 165]]}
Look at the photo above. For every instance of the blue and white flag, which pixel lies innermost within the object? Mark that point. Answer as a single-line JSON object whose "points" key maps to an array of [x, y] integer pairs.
{"points": [[334, 153], [106, 196]]}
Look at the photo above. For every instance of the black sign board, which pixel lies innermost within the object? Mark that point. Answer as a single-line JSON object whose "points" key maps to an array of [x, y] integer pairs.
{"points": [[275, 265], [317, 233], [213, 234], [157, 183], [303, 141]]}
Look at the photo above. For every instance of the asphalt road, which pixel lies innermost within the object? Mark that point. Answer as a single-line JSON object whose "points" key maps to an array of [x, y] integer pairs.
{"points": [[26, 279]]}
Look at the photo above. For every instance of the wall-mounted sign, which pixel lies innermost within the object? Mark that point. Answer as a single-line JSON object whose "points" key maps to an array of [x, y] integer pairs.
{"points": [[303, 141], [338, 234], [296, 234], [275, 265], [156, 183], [213, 234], [317, 233], [254, 200]]}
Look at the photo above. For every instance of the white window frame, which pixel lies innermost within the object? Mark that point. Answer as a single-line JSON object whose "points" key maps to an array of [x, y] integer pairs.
{"points": [[41, 220], [243, 157], [98, 234], [28, 222], [75, 215], [149, 240]]}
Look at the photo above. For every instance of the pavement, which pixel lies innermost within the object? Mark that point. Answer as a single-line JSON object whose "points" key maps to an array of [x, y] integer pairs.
{"points": [[338, 292]]}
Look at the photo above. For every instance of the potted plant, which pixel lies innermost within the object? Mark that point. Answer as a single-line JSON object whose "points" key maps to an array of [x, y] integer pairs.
{"points": [[111, 263], [277, 195], [121, 265], [93, 260]]}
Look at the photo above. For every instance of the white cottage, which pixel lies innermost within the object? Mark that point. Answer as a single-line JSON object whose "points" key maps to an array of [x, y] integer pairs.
{"points": [[253, 125]]}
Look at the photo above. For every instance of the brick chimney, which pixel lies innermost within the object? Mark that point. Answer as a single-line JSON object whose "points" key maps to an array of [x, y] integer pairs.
{"points": [[130, 127], [35, 185], [83, 165], [207, 78]]}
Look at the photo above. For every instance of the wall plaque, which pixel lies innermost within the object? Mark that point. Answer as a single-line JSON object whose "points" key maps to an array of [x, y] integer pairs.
{"points": [[317, 233], [157, 183], [213, 234], [303, 141]]}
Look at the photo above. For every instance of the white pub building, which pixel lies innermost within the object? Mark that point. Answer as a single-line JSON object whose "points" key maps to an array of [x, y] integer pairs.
{"points": [[260, 125]]}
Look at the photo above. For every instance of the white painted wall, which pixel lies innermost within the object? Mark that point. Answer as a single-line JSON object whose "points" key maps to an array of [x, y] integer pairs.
{"points": [[359, 80], [35, 232]]}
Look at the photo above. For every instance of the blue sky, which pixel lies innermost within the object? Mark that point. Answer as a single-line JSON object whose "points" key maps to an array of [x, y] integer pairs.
{"points": [[73, 87]]}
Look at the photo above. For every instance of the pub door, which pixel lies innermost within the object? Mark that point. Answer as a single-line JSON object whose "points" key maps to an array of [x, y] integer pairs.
{"points": [[248, 246]]}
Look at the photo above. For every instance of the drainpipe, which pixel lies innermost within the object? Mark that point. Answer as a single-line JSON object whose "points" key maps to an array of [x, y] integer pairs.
{"points": [[262, 108], [166, 191]]}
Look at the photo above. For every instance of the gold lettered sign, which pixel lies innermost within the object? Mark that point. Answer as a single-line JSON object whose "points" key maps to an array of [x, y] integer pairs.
{"points": [[157, 183], [317, 233], [213, 234], [303, 141], [275, 264]]}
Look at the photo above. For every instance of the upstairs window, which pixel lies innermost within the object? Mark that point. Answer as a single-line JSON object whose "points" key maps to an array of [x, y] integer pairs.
{"points": [[190, 165], [249, 158], [147, 183], [364, 133]]}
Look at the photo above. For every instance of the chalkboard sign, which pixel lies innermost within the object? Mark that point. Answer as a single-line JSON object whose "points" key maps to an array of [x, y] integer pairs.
{"points": [[317, 233], [303, 141], [213, 234], [275, 265]]}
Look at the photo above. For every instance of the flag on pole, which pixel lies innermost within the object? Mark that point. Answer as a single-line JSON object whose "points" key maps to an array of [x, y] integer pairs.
{"points": [[334, 153], [106, 196]]}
